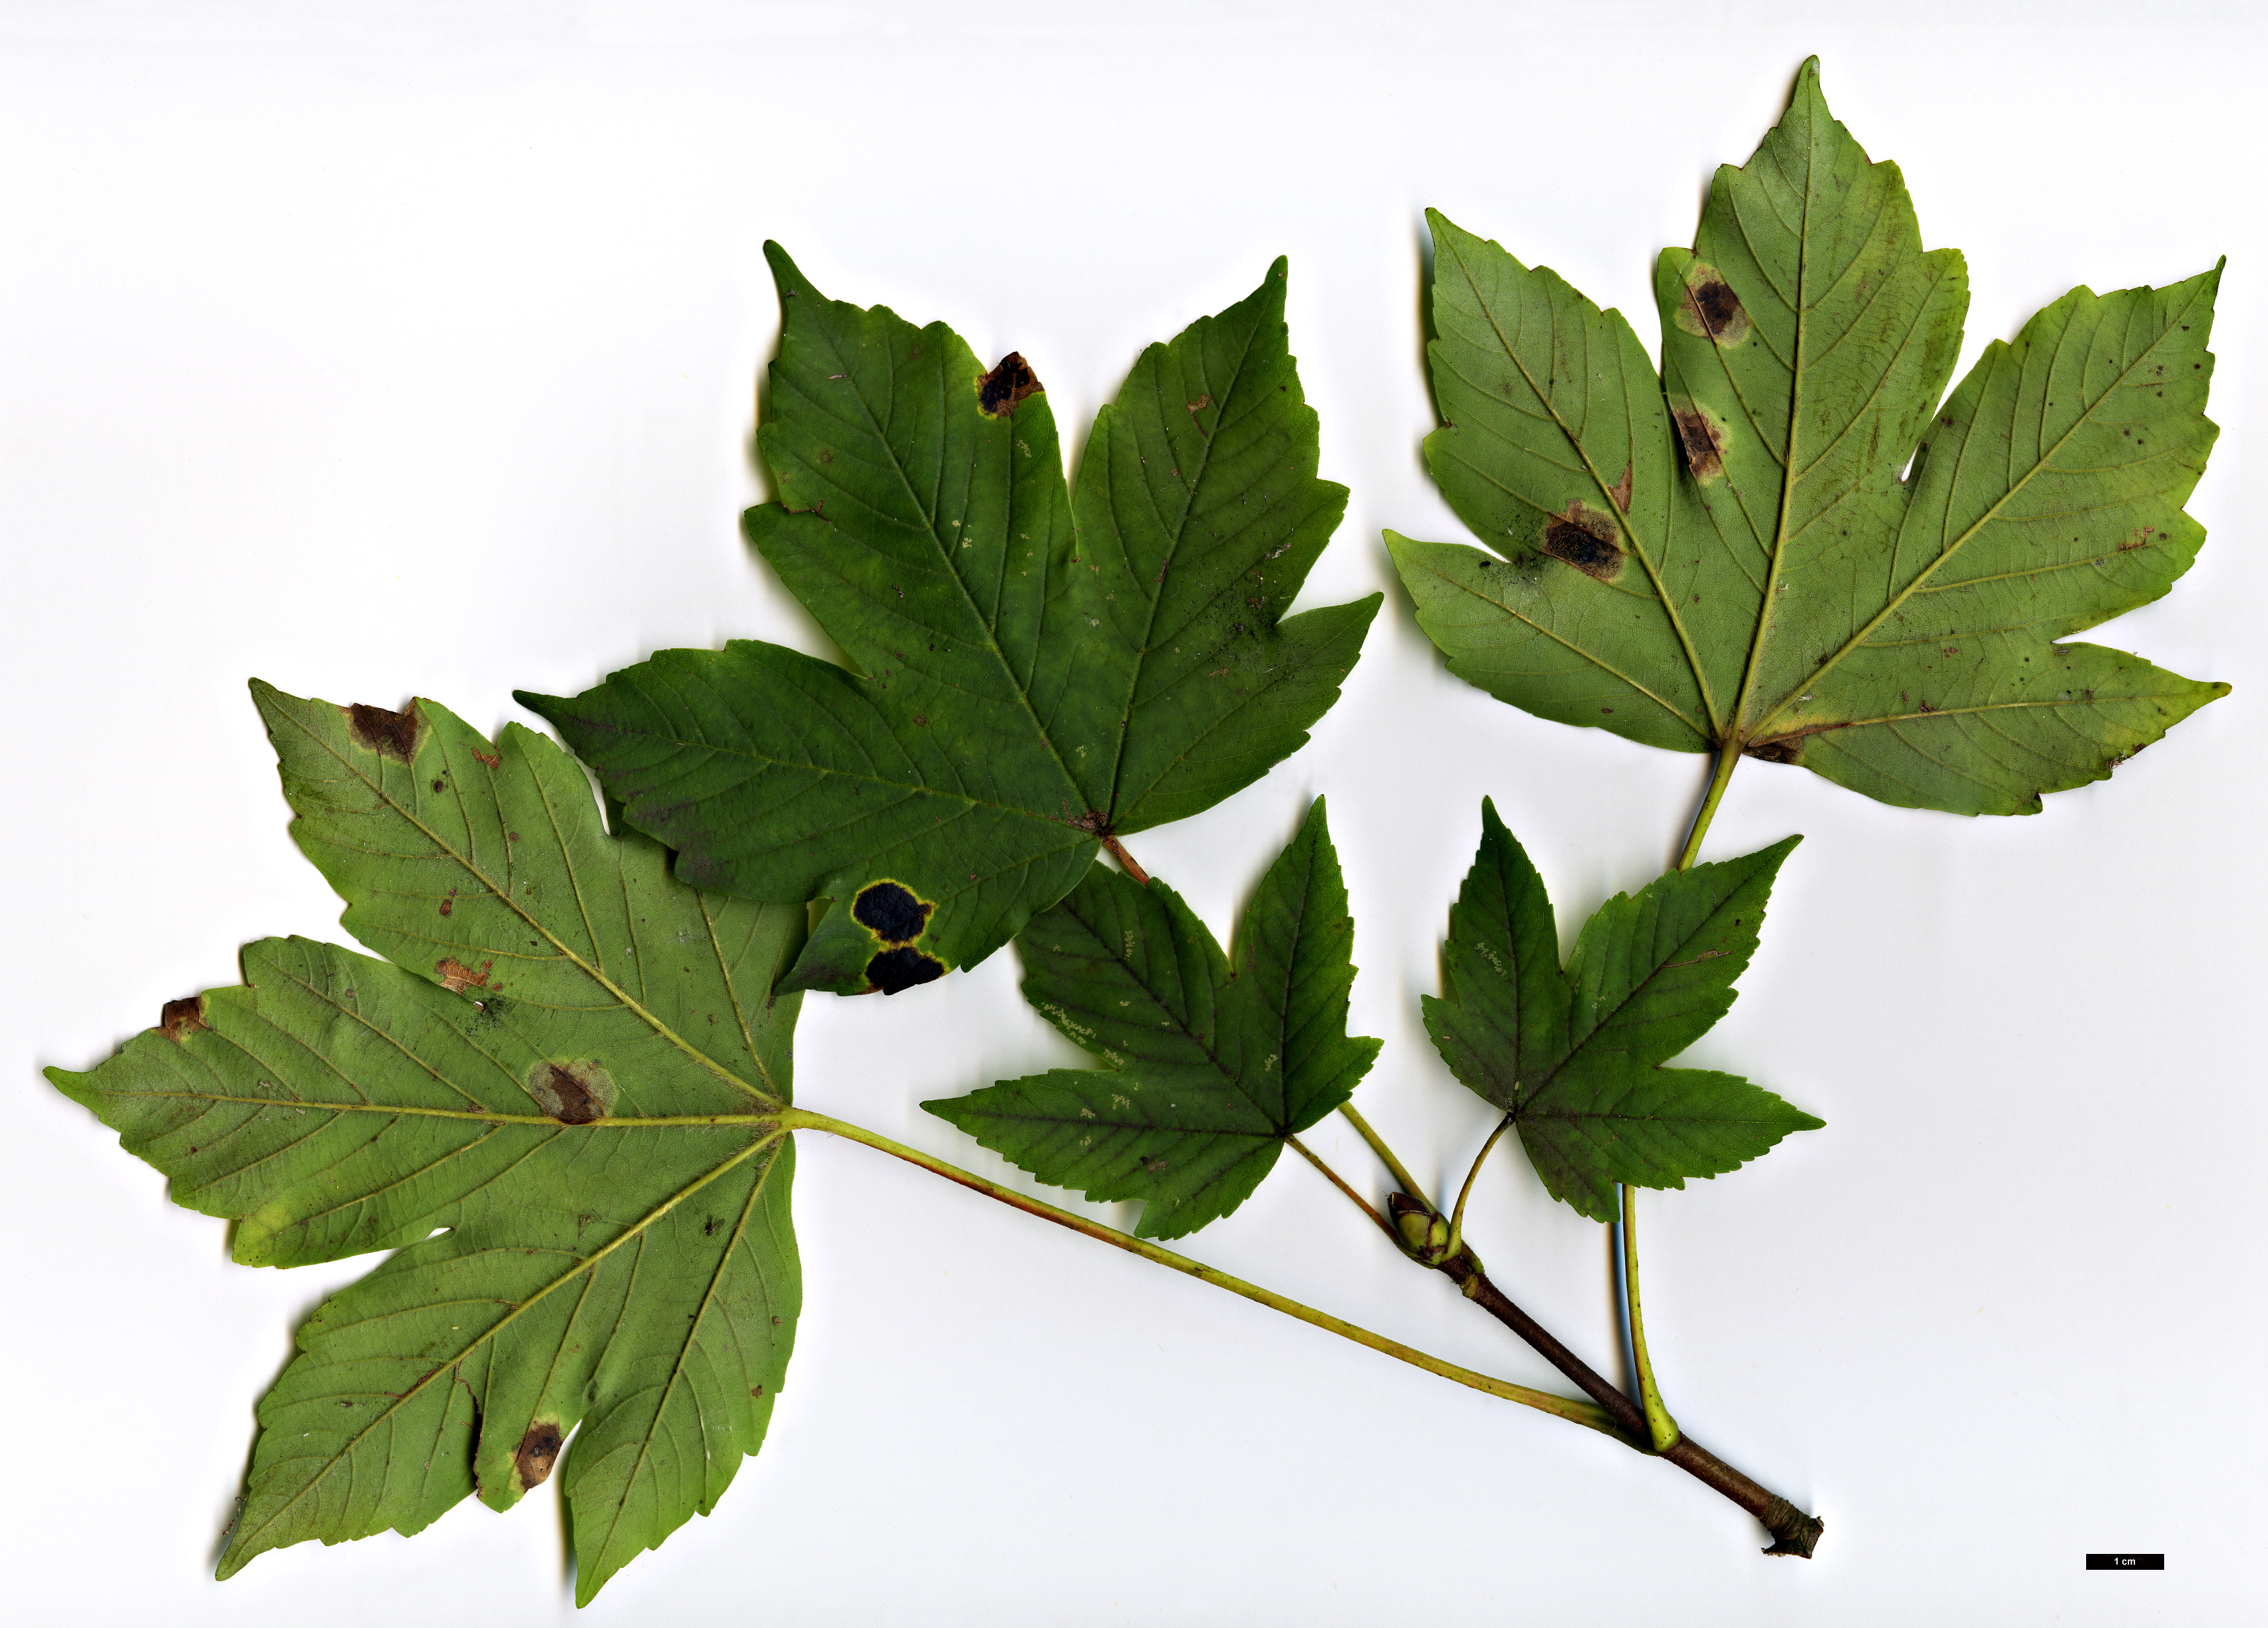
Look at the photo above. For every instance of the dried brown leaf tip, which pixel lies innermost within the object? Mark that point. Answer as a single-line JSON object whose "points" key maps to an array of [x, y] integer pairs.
{"points": [[179, 1017], [388, 733], [1008, 384], [538, 1451]]}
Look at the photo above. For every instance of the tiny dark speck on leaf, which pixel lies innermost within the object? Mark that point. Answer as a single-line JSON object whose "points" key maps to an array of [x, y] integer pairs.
{"points": [[440, 785]]}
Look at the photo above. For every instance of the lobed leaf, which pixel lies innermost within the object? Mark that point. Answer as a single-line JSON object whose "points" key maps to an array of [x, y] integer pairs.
{"points": [[1035, 669], [1728, 558], [1574, 1056], [1210, 1069], [557, 1101]]}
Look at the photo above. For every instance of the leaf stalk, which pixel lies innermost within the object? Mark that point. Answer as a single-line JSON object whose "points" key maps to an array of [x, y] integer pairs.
{"points": [[1544, 1401], [1728, 759], [1660, 1428], [1457, 1220], [1386, 1154], [1125, 861]]}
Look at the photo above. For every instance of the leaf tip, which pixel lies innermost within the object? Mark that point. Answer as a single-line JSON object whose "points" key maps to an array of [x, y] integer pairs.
{"points": [[787, 276]]}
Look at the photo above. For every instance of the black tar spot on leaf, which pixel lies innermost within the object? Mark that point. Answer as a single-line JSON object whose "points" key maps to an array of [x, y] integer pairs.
{"points": [[893, 913], [902, 968]]}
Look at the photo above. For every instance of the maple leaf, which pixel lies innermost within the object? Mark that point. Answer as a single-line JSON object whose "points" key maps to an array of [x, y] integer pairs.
{"points": [[1725, 558], [568, 1064], [1575, 1055], [1210, 1068], [1038, 669]]}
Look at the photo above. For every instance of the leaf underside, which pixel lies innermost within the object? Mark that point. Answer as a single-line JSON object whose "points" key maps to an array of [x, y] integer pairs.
{"points": [[1208, 1069], [1035, 667], [1574, 1056], [571, 1065], [1726, 556]]}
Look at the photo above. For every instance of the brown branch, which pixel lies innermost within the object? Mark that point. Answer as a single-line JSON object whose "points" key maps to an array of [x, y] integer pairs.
{"points": [[1126, 860], [1793, 1532]]}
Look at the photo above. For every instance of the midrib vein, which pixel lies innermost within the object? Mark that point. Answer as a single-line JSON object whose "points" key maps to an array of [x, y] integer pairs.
{"points": [[596, 975]]}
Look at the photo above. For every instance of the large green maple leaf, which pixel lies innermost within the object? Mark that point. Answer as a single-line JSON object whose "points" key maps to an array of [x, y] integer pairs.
{"points": [[1726, 557], [1037, 668], [1574, 1056], [1211, 1069], [571, 1065]]}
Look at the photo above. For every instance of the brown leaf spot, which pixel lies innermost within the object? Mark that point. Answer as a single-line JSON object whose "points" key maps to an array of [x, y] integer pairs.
{"points": [[1587, 540], [456, 977], [488, 759], [538, 1451], [1710, 308], [1008, 384], [178, 1017], [1787, 748], [1620, 492], [573, 1093], [388, 733], [1703, 437]]}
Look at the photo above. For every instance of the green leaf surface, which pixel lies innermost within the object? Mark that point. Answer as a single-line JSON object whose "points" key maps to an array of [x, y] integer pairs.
{"points": [[556, 1100], [1574, 1056], [1034, 668], [1208, 1067], [1728, 555]]}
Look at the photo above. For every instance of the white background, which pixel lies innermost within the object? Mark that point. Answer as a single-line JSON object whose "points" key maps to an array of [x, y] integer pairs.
{"points": [[391, 348]]}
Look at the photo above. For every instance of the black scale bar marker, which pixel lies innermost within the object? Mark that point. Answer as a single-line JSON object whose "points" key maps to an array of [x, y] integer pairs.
{"points": [[2125, 1563]]}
